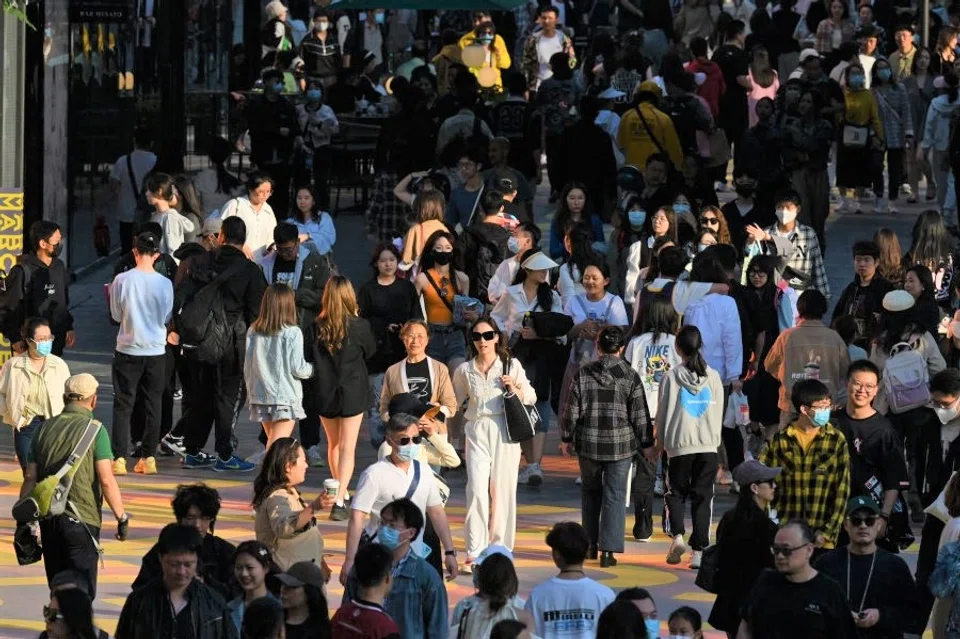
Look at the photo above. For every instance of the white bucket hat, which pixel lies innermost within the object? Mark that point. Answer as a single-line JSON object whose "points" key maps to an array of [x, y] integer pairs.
{"points": [[539, 262]]}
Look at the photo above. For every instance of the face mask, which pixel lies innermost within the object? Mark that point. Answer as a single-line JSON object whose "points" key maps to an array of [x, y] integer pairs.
{"points": [[637, 217], [820, 416], [485, 38], [409, 452], [322, 26], [513, 245], [278, 87], [56, 250], [389, 537], [946, 415], [379, 17], [884, 74], [856, 81], [442, 257], [314, 95], [745, 191], [785, 216], [653, 628], [701, 246], [680, 209], [45, 348], [753, 249]]}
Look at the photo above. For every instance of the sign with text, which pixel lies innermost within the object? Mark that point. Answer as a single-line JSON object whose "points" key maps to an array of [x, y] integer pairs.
{"points": [[11, 241], [98, 11]]}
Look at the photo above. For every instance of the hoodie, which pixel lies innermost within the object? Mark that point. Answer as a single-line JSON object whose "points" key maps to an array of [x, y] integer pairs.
{"points": [[936, 132], [713, 86], [690, 412]]}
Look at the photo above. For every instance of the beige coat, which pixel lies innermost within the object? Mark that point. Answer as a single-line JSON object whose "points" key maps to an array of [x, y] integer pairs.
{"points": [[275, 527], [395, 382], [15, 384]]}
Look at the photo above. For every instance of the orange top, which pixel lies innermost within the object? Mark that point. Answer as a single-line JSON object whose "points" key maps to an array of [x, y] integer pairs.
{"points": [[437, 311]]}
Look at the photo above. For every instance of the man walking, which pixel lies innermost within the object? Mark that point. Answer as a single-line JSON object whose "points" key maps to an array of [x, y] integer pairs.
{"points": [[70, 540]]}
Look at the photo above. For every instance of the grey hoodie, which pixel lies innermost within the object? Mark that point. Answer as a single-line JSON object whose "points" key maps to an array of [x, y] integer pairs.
{"points": [[690, 412], [936, 133]]}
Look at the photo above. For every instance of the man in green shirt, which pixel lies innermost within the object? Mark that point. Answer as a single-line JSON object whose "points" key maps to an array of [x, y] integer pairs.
{"points": [[68, 543]]}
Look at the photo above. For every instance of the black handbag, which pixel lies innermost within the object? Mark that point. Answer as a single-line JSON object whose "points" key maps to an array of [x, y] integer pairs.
{"points": [[707, 575], [550, 324], [521, 419]]}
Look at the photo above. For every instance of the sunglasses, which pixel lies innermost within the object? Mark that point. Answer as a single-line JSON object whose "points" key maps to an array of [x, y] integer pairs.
{"points": [[786, 551], [404, 441], [709, 220], [51, 616], [486, 336], [868, 521]]}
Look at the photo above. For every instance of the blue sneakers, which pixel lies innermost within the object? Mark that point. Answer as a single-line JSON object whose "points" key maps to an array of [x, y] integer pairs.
{"points": [[234, 464], [200, 460]]}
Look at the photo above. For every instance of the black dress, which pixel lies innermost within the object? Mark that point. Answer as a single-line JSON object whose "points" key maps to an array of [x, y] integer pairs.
{"points": [[343, 389]]}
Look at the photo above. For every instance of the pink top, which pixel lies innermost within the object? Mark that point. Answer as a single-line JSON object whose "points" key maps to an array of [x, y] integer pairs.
{"points": [[758, 92]]}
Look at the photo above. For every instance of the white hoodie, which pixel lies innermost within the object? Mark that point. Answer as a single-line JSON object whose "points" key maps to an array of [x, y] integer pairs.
{"points": [[690, 412]]}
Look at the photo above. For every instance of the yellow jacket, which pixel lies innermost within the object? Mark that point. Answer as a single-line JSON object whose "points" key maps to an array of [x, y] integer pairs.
{"points": [[862, 110], [635, 141], [499, 56]]}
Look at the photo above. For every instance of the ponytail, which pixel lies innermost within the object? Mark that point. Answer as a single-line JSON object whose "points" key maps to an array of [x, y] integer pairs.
{"points": [[689, 344]]}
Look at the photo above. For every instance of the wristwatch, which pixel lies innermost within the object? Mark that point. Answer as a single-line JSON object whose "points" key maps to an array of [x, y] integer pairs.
{"points": [[451, 553]]}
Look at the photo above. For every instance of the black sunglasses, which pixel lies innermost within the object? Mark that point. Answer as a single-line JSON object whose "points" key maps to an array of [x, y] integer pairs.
{"points": [[867, 521], [786, 551], [486, 336], [403, 441], [51, 616], [709, 220]]}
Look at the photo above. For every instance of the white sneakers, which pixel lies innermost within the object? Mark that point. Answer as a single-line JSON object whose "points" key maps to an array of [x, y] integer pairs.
{"points": [[677, 550], [530, 475], [695, 559]]}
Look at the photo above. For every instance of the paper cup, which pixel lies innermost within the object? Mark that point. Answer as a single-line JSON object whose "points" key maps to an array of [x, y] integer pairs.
{"points": [[331, 486]]}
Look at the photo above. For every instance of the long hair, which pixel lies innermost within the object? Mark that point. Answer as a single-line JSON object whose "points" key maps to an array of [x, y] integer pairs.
{"points": [[497, 582], [220, 151], [429, 205], [765, 264], [188, 200], [653, 269], [582, 254], [690, 345], [671, 221], [926, 280], [278, 309], [339, 307], [426, 258], [544, 292], [77, 611], [723, 231], [891, 257], [319, 619], [658, 317], [314, 210], [378, 251], [273, 473], [503, 353], [896, 327], [931, 242], [564, 216]]}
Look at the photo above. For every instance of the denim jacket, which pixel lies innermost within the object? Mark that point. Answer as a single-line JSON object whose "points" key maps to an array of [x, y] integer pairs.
{"points": [[417, 602], [273, 365]]}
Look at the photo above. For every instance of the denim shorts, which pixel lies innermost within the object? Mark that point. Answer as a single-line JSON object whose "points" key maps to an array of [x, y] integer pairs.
{"points": [[446, 343], [546, 415]]}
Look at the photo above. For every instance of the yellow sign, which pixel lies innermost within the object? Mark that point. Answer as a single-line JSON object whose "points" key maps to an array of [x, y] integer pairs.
{"points": [[11, 242]]}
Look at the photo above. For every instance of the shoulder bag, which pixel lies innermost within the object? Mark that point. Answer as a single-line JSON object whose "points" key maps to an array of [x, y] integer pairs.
{"points": [[366, 538], [709, 570], [521, 419]]}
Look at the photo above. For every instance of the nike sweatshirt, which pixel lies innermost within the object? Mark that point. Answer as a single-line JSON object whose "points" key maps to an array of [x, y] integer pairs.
{"points": [[690, 412]]}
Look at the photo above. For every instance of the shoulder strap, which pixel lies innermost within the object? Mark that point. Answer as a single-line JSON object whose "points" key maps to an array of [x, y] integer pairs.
{"points": [[415, 482], [646, 125], [475, 203], [133, 178], [606, 313], [225, 275], [433, 283], [86, 441], [461, 628], [583, 306]]}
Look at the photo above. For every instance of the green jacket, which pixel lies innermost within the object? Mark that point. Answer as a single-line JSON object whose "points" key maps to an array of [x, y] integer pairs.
{"points": [[52, 444]]}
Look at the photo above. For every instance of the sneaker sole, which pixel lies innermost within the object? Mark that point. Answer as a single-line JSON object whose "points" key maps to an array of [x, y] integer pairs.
{"points": [[535, 480], [182, 452], [187, 464], [674, 557], [217, 469]]}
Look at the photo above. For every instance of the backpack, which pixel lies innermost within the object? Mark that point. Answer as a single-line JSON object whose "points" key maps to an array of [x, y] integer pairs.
{"points": [[205, 334], [482, 259], [905, 379], [682, 109], [12, 316], [785, 301]]}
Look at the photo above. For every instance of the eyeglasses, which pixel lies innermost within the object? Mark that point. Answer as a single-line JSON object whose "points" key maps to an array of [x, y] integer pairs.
{"points": [[867, 521], [486, 336], [757, 274], [786, 551], [866, 387], [403, 441], [51, 616], [709, 220]]}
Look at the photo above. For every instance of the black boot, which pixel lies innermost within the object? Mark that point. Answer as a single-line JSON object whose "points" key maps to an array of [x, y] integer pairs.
{"points": [[592, 552], [607, 560]]}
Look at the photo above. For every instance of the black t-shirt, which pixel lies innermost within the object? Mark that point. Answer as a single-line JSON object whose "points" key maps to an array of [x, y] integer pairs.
{"points": [[875, 454], [308, 630], [418, 379], [780, 609], [283, 272]]}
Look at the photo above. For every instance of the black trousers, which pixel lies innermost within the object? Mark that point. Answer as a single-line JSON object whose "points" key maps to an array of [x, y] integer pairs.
{"points": [[894, 173], [643, 498], [220, 385], [166, 400], [67, 546], [690, 478], [59, 343], [926, 560], [137, 375], [557, 161], [126, 237]]}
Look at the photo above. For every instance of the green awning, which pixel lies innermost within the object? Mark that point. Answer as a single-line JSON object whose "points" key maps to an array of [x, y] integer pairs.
{"points": [[450, 5]]}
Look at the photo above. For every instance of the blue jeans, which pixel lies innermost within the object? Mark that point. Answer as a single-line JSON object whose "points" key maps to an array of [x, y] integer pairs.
{"points": [[23, 438], [546, 414], [374, 423], [603, 496]]}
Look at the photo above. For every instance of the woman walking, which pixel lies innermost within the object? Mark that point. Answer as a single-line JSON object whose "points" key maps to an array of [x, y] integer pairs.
{"points": [[689, 419], [314, 225], [274, 362], [764, 82], [936, 135], [861, 131], [606, 423], [341, 346], [894, 105], [492, 459], [921, 92], [161, 193]]}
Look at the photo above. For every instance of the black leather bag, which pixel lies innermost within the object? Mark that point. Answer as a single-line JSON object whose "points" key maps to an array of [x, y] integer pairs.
{"points": [[521, 419], [709, 570]]}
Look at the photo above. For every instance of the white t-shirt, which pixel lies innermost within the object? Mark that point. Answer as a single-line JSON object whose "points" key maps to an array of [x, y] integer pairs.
{"points": [[568, 608], [142, 163], [581, 309], [652, 360], [259, 225], [383, 482], [546, 47]]}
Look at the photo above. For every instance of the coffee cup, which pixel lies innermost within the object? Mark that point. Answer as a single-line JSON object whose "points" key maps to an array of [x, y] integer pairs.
{"points": [[331, 486]]}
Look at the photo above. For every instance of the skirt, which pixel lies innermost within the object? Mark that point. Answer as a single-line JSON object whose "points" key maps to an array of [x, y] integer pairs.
{"points": [[275, 413]]}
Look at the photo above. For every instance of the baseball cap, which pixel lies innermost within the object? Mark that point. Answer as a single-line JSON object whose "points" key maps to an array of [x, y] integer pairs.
{"points": [[862, 502], [79, 387], [411, 405], [211, 226], [493, 549], [751, 472], [808, 53], [301, 574]]}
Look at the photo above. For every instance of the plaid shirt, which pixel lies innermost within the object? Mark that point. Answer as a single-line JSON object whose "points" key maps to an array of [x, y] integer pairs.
{"points": [[814, 485], [530, 65], [806, 258], [894, 106], [386, 215], [824, 37], [606, 411]]}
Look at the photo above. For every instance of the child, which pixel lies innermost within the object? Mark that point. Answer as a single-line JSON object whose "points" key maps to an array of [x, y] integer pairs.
{"points": [[685, 622]]}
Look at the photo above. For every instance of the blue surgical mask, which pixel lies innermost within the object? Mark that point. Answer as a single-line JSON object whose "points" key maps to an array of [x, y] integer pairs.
{"points": [[753, 249], [278, 87], [380, 18], [701, 247], [485, 38], [389, 537], [637, 217], [856, 81], [884, 74], [513, 245], [820, 416], [653, 628], [408, 452], [681, 208], [314, 95], [45, 348]]}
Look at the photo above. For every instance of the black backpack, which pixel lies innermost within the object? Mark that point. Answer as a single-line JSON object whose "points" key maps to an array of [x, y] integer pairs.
{"points": [[205, 334], [483, 258], [13, 316], [682, 109]]}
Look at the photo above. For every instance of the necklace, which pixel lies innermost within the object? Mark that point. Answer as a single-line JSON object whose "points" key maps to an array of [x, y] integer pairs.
{"points": [[866, 586]]}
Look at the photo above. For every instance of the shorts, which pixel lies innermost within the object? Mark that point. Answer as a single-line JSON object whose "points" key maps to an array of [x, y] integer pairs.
{"points": [[446, 343], [274, 412], [546, 414]]}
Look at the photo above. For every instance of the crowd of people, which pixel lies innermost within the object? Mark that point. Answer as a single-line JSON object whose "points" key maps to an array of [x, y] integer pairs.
{"points": [[673, 343]]}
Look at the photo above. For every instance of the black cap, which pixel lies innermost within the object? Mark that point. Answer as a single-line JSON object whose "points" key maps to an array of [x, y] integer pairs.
{"points": [[506, 185], [407, 403]]}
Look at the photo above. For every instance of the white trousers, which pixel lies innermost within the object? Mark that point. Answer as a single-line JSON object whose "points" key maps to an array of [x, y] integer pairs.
{"points": [[493, 462]]}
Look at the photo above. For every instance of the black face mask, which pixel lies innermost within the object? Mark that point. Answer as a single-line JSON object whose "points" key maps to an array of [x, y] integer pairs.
{"points": [[56, 250], [442, 258], [745, 191]]}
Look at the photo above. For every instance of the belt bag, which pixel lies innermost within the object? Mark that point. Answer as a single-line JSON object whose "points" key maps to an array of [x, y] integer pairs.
{"points": [[855, 136]]}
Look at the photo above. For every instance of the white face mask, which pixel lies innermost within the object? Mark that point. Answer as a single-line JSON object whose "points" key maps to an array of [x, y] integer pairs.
{"points": [[946, 415], [785, 216], [513, 245]]}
